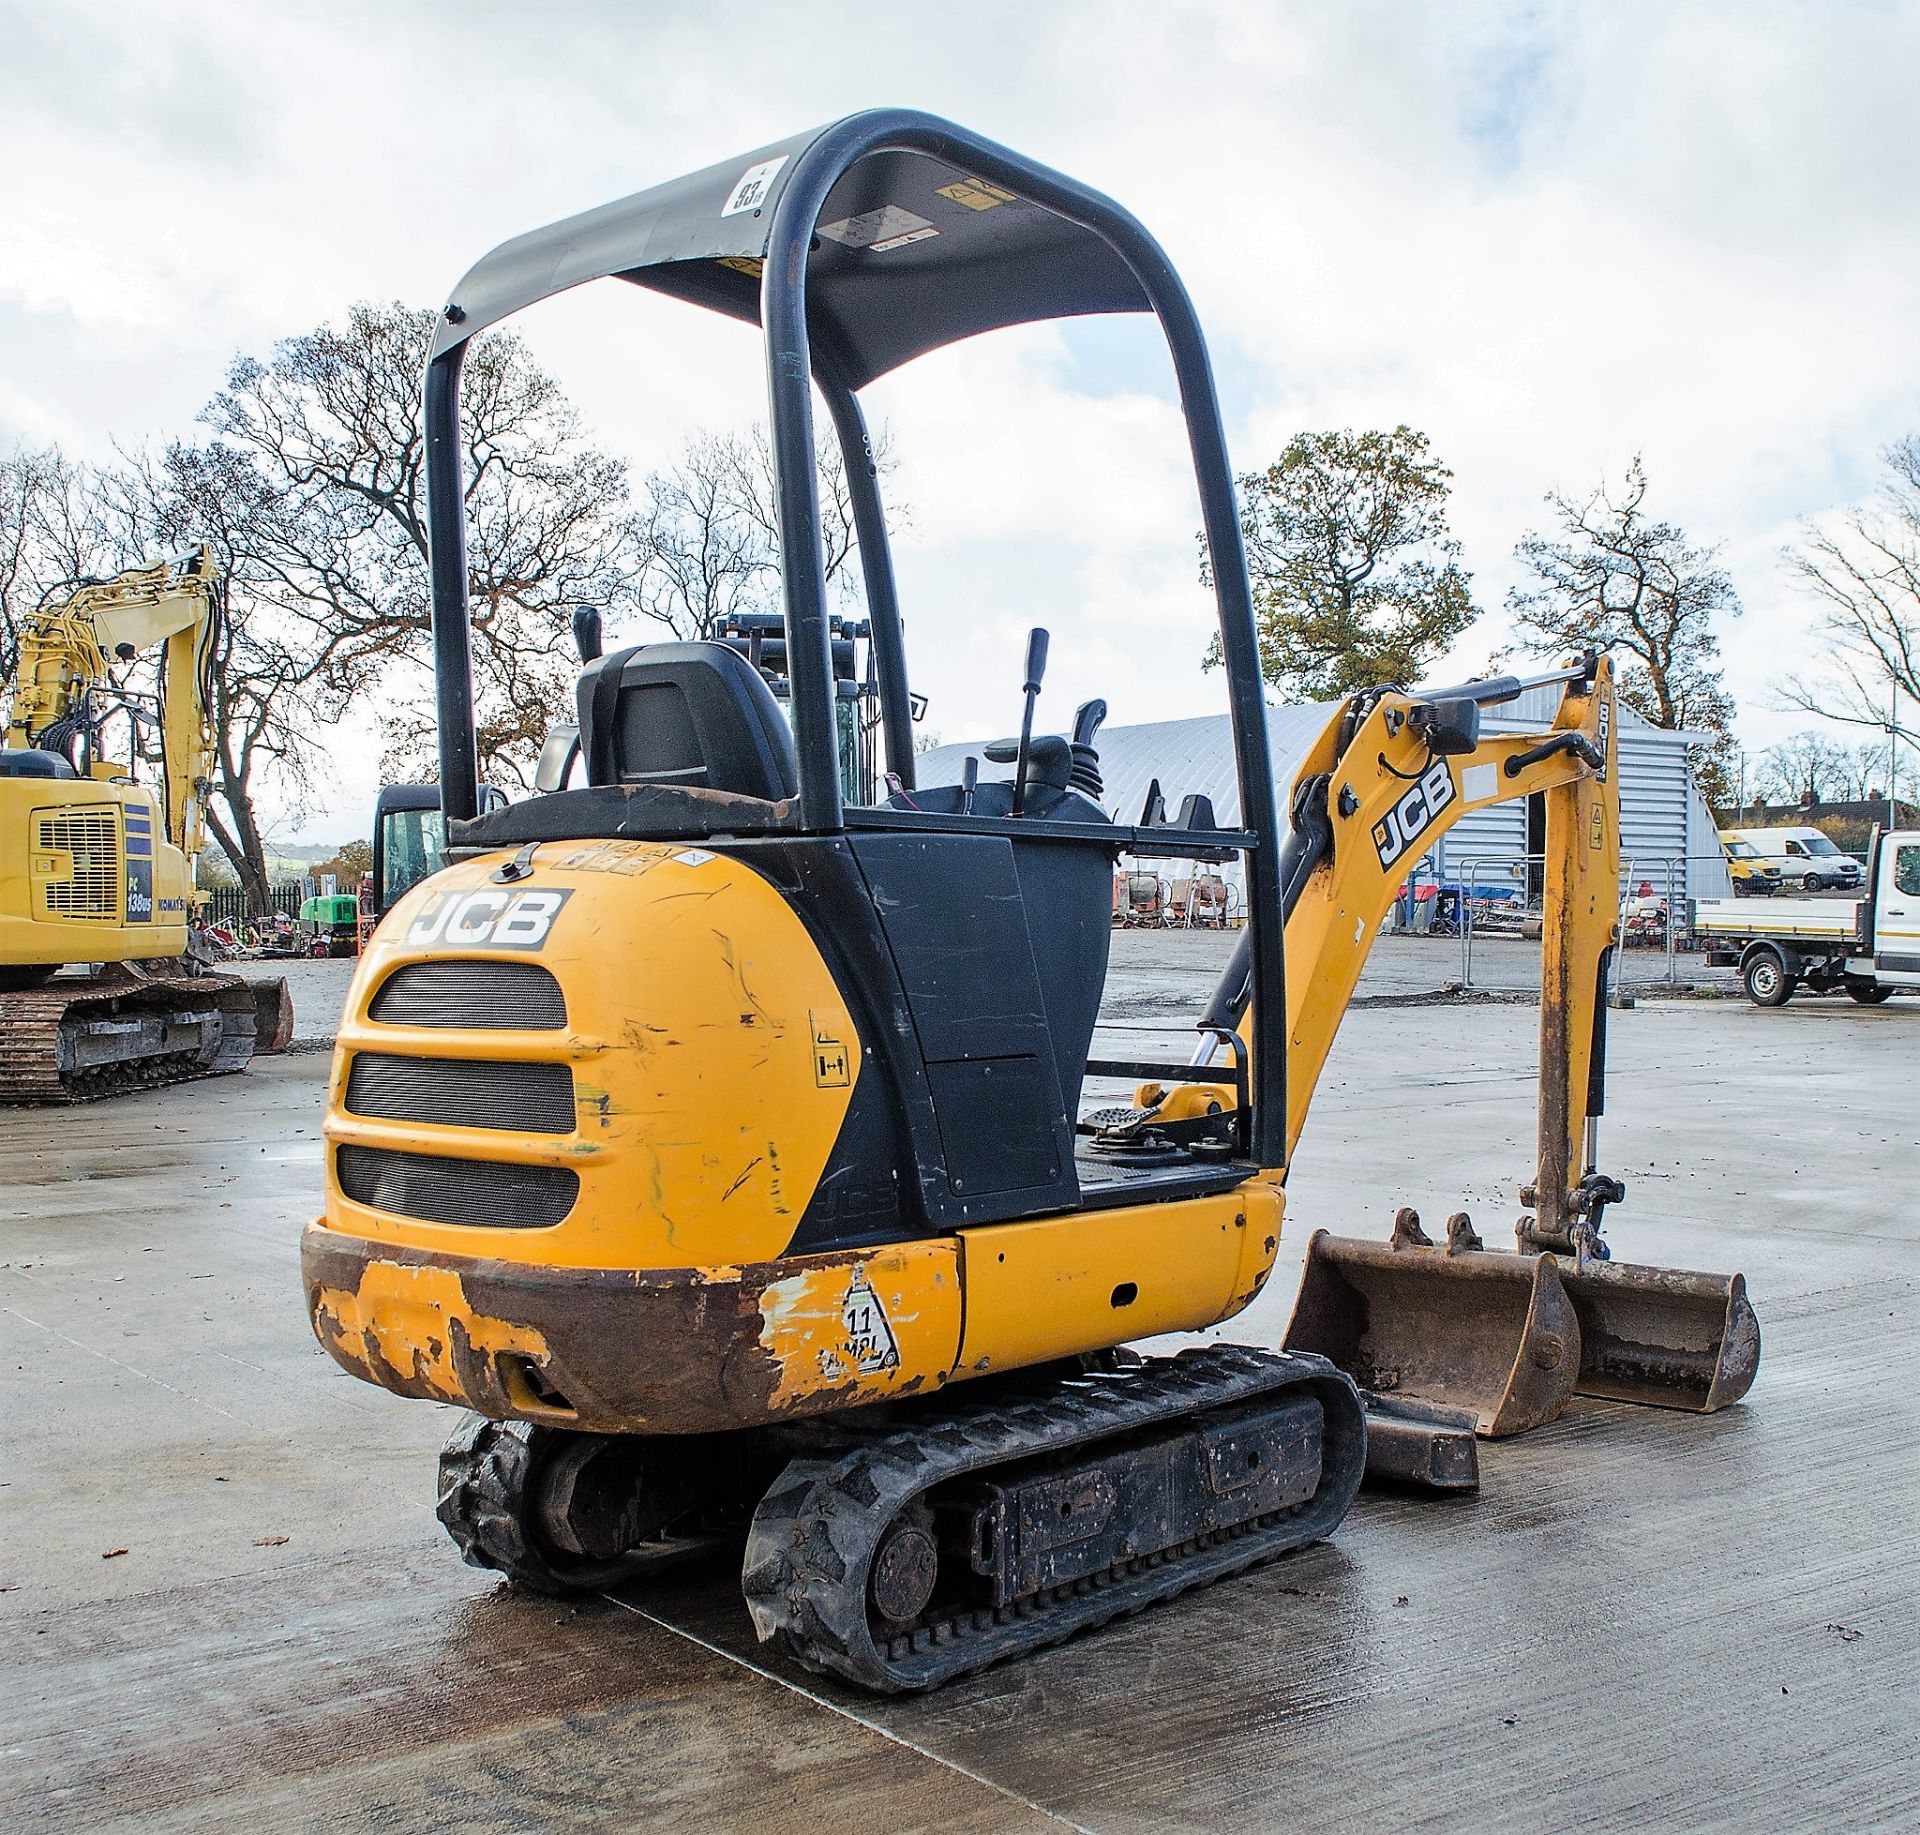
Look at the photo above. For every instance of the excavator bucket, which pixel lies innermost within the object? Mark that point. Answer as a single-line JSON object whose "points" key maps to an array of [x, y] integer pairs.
{"points": [[1662, 1336], [1490, 1334], [272, 1016]]}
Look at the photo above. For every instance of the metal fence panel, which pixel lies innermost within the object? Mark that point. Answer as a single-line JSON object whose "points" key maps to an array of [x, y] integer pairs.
{"points": [[228, 904]]}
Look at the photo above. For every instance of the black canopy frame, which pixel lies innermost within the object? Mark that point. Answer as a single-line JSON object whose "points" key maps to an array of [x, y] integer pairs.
{"points": [[842, 300]]}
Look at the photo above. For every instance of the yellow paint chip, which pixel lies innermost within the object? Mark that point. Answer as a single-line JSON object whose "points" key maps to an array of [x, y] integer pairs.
{"points": [[402, 1317]]}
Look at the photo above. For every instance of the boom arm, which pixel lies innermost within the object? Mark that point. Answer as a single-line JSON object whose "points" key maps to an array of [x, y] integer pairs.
{"points": [[67, 651], [1386, 779]]}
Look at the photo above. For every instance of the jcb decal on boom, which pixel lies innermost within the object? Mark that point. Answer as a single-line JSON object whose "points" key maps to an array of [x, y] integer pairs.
{"points": [[488, 919], [1413, 814]]}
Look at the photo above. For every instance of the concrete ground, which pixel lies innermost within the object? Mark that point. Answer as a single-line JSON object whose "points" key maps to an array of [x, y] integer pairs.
{"points": [[226, 1603]]}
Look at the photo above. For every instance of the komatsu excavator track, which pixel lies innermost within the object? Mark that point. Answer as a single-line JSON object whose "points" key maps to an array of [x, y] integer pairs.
{"points": [[75, 1040], [983, 1529]]}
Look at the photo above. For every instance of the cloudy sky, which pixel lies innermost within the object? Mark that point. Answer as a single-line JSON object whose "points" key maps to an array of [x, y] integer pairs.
{"points": [[1549, 235]]}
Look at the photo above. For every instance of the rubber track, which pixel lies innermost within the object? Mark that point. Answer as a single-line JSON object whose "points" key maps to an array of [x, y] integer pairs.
{"points": [[32, 1020], [816, 1531], [487, 1469]]}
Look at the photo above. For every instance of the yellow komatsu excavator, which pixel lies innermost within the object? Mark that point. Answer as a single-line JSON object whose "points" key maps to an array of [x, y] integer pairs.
{"points": [[97, 868], [718, 1141]]}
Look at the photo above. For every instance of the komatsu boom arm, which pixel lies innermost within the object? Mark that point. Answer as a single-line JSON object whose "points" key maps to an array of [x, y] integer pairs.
{"points": [[67, 652]]}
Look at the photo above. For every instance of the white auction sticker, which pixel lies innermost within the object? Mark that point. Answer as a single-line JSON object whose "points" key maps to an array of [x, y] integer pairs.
{"points": [[755, 181], [879, 230]]}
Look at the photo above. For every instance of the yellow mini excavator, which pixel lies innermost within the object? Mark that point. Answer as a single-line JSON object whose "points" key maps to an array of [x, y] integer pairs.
{"points": [[716, 1139], [96, 868]]}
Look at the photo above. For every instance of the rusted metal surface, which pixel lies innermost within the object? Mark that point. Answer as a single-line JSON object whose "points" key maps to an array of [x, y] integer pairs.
{"points": [[1483, 1331], [1510, 1338], [678, 1351], [1663, 1336], [272, 1015]]}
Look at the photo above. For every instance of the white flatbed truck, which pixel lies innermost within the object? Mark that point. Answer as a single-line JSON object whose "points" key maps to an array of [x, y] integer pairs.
{"points": [[1869, 947]]}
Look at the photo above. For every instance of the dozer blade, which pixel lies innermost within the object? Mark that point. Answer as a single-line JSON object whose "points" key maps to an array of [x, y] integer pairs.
{"points": [[1662, 1336], [1487, 1332]]}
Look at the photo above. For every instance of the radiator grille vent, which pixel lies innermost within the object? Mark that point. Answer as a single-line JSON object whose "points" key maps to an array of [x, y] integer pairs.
{"points": [[455, 1093], [92, 889], [483, 996], [479, 1193]]}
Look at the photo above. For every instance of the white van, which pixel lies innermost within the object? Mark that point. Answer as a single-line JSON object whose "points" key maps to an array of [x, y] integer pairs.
{"points": [[1807, 859]]}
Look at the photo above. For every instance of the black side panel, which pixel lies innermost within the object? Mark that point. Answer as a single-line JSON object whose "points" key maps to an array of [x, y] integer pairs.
{"points": [[1068, 891], [956, 924], [994, 1115], [859, 1198]]}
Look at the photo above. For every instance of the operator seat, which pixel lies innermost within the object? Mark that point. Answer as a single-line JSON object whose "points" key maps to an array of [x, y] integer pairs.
{"points": [[698, 716]]}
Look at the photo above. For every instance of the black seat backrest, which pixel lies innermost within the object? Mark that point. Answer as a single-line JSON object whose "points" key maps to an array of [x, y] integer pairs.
{"points": [[696, 715]]}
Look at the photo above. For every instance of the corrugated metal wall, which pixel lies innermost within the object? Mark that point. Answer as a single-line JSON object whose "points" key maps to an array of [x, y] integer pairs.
{"points": [[1662, 815]]}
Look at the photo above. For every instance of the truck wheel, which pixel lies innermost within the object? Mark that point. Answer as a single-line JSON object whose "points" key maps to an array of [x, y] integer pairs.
{"points": [[1767, 980], [1867, 994], [1813, 882]]}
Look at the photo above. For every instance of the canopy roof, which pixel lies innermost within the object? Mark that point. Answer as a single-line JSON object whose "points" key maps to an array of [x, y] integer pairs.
{"points": [[913, 251]]}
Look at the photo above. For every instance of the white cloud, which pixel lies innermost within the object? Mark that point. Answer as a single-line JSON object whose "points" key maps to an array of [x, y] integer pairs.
{"points": [[1550, 235]]}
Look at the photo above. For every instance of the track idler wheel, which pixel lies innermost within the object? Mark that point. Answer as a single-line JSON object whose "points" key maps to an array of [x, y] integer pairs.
{"points": [[563, 1512], [905, 1567]]}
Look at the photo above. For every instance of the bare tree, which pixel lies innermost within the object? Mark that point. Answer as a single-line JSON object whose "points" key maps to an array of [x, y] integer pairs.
{"points": [[331, 425], [1805, 769], [51, 535], [706, 547], [710, 534], [1866, 573], [1356, 577], [1612, 578], [267, 692]]}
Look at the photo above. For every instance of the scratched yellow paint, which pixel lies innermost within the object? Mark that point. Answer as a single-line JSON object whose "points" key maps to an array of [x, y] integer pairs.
{"points": [[881, 1323], [1059, 1286], [713, 1060], [403, 1317]]}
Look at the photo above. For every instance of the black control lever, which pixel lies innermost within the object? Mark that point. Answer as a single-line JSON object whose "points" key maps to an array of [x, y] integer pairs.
{"points": [[1036, 670], [586, 632], [969, 782], [1085, 775]]}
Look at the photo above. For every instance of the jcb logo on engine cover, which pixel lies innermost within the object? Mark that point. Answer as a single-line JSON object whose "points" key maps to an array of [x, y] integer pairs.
{"points": [[487, 919], [1413, 815]]}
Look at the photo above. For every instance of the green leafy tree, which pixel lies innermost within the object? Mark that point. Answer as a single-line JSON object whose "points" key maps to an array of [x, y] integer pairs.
{"points": [[1611, 577], [1356, 579]]}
